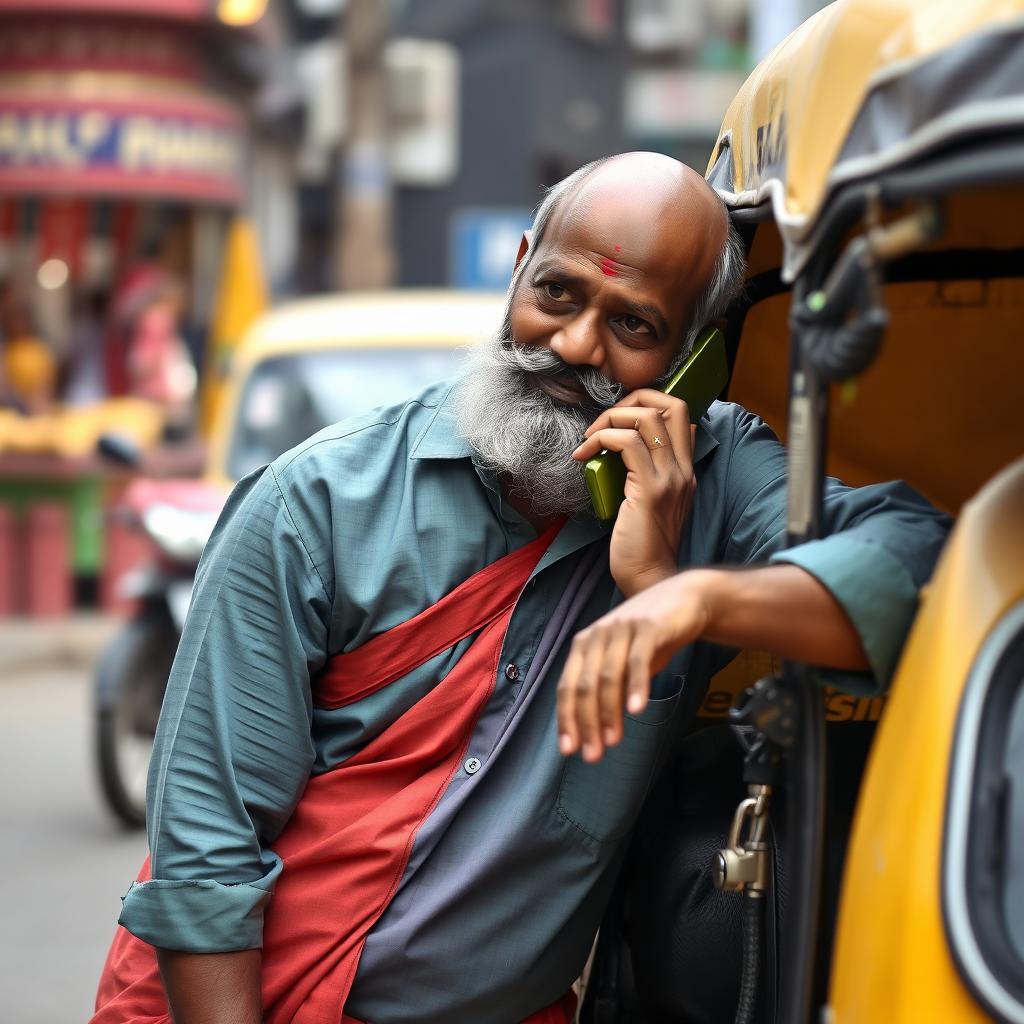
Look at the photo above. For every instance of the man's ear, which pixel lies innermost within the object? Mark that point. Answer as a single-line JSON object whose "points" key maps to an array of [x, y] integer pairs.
{"points": [[524, 247]]}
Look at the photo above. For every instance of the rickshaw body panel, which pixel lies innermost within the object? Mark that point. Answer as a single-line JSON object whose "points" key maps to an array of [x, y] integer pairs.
{"points": [[809, 156], [941, 405], [862, 86], [892, 958]]}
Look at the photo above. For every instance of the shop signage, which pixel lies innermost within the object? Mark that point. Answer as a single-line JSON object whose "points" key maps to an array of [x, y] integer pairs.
{"points": [[188, 151], [96, 44], [482, 245], [182, 10]]}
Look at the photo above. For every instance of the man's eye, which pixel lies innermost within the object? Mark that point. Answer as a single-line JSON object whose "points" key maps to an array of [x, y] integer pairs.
{"points": [[554, 291], [635, 325]]}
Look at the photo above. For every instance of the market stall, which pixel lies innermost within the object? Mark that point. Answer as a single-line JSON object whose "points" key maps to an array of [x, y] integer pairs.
{"points": [[123, 135]]}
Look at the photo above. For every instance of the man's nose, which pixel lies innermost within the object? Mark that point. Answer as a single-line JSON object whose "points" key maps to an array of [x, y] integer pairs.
{"points": [[578, 341]]}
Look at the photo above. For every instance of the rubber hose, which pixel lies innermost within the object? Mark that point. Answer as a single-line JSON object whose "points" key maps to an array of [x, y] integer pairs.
{"points": [[753, 907]]}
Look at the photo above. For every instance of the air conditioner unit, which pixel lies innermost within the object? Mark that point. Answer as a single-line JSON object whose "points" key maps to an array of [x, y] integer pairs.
{"points": [[423, 88], [320, 69], [655, 25]]}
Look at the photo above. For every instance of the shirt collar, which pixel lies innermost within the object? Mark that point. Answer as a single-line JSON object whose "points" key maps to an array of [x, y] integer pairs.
{"points": [[441, 438], [705, 442]]}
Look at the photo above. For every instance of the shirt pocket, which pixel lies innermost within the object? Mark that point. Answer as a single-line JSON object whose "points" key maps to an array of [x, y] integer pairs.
{"points": [[602, 801]]}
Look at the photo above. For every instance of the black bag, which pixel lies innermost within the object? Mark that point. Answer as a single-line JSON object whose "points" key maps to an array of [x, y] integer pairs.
{"points": [[670, 947]]}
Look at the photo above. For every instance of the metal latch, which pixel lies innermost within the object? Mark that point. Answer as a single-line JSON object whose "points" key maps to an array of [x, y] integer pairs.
{"points": [[742, 866]]}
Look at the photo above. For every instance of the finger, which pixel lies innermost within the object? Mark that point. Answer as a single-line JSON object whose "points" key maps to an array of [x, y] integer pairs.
{"points": [[676, 417], [587, 712], [673, 411], [635, 453], [565, 698], [612, 685], [638, 664], [620, 417], [649, 398], [648, 423]]}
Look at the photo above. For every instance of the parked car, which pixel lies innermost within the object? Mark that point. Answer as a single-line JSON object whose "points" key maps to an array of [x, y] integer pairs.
{"points": [[300, 367]]}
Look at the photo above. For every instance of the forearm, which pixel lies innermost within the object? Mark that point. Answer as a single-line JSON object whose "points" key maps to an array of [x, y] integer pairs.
{"points": [[781, 609], [212, 988]]}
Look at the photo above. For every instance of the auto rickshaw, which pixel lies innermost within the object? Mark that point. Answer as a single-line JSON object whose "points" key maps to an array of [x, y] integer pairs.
{"points": [[874, 164]]}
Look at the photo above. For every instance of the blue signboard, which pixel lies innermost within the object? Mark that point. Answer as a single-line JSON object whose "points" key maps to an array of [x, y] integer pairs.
{"points": [[184, 147], [482, 245]]}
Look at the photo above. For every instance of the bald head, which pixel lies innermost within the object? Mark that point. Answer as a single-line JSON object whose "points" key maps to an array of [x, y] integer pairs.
{"points": [[650, 200], [654, 215]]}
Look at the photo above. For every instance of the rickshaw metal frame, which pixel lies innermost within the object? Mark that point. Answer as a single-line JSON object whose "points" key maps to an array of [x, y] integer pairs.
{"points": [[990, 164]]}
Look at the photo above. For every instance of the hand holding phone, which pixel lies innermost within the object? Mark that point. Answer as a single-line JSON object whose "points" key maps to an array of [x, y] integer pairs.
{"points": [[698, 382]]}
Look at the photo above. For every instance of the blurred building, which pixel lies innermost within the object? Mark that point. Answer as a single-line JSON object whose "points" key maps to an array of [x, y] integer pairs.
{"points": [[134, 130], [490, 101], [125, 134], [687, 60], [131, 134]]}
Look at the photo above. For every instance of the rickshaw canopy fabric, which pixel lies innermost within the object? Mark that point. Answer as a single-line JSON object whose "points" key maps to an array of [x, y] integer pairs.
{"points": [[863, 86]]}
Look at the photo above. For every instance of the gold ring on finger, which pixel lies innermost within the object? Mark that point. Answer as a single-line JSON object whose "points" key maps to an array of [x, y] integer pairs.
{"points": [[636, 426], [656, 443]]}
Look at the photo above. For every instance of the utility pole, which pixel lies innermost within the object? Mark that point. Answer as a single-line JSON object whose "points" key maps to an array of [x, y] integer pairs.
{"points": [[364, 251]]}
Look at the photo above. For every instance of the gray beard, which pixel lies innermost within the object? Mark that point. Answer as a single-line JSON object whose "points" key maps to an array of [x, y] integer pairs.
{"points": [[524, 435]]}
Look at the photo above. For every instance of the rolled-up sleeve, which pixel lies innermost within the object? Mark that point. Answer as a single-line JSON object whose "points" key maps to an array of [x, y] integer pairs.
{"points": [[233, 748], [879, 547]]}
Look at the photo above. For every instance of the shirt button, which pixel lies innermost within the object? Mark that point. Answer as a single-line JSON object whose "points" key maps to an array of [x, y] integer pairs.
{"points": [[472, 765], [512, 671]]}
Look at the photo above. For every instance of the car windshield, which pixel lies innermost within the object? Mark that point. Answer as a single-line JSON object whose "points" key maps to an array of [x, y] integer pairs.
{"points": [[289, 397]]}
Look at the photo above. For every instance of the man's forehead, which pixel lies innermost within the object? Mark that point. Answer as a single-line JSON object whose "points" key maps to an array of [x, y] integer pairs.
{"points": [[605, 229], [661, 218], [655, 263]]}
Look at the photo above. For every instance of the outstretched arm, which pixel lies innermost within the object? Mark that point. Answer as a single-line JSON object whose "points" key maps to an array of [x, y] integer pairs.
{"points": [[781, 609]]}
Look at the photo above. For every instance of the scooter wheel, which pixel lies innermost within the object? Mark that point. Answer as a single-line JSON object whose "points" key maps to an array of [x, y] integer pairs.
{"points": [[130, 686]]}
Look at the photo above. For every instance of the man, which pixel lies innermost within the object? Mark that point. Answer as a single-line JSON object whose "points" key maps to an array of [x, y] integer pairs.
{"points": [[358, 766]]}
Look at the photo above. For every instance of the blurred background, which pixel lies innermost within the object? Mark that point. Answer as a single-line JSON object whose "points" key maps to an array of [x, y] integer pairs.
{"points": [[170, 171]]}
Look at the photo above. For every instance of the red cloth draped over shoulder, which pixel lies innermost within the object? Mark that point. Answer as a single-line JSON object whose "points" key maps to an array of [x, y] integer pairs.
{"points": [[347, 844]]}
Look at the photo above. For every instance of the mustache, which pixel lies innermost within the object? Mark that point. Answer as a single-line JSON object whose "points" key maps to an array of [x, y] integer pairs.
{"points": [[535, 360]]}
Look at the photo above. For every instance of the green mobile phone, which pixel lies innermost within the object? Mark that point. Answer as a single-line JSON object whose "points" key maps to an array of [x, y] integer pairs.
{"points": [[698, 382]]}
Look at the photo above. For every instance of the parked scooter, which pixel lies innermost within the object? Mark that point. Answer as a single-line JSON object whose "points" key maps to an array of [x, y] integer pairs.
{"points": [[177, 516]]}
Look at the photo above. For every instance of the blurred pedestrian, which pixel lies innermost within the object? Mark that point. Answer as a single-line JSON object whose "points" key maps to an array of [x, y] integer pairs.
{"points": [[160, 367], [86, 370], [29, 374]]}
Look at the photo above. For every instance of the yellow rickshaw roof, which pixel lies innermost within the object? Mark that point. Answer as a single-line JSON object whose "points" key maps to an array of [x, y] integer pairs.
{"points": [[861, 87]]}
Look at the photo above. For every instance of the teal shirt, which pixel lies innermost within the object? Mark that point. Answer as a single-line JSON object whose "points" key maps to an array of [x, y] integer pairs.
{"points": [[365, 525]]}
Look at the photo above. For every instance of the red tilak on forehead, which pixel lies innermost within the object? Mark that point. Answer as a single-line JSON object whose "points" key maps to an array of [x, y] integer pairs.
{"points": [[608, 267]]}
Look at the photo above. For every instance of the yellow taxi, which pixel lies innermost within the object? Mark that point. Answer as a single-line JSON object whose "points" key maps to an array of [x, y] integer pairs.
{"points": [[314, 361]]}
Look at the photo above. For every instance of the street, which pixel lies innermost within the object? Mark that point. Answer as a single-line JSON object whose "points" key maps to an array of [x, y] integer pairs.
{"points": [[64, 861]]}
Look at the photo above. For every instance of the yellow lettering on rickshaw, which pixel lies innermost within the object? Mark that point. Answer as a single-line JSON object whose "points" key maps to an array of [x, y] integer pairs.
{"points": [[839, 707]]}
